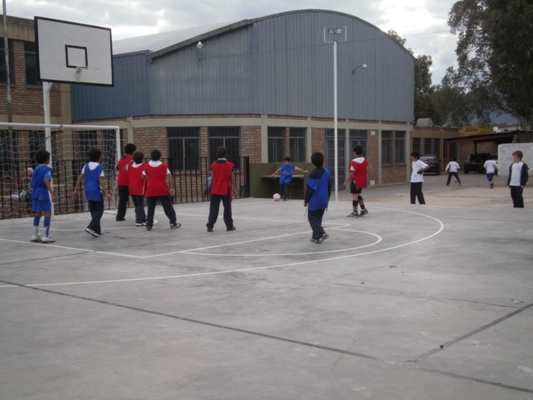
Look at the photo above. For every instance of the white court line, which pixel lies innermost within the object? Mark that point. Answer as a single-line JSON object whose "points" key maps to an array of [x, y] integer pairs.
{"points": [[202, 274]]}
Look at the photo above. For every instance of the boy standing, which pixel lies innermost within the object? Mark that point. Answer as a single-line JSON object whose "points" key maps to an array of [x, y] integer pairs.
{"points": [[285, 177], [452, 168], [40, 197], [317, 197], [159, 188], [123, 181], [93, 172], [137, 186], [357, 178], [518, 176], [490, 168], [417, 178], [222, 186]]}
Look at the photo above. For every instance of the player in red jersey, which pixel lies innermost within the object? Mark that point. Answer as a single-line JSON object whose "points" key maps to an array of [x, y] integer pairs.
{"points": [[357, 179]]}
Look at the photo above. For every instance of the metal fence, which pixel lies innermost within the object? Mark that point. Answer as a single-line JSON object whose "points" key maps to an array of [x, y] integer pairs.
{"points": [[189, 184]]}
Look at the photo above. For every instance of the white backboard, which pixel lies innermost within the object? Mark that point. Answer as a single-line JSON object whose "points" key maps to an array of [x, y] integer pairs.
{"points": [[73, 53]]}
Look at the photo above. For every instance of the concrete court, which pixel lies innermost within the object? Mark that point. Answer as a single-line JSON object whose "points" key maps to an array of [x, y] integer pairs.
{"points": [[410, 302]]}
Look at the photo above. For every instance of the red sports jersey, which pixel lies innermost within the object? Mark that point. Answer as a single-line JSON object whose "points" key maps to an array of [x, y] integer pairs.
{"points": [[122, 177], [137, 184], [221, 177], [359, 166], [157, 180]]}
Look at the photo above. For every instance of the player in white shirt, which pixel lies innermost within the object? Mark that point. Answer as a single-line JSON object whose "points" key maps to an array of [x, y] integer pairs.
{"points": [[417, 178], [490, 168], [452, 169]]}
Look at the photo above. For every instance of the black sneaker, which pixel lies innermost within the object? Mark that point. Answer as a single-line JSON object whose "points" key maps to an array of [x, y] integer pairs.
{"points": [[230, 229], [209, 229], [363, 212], [175, 226], [313, 240], [321, 238], [139, 224], [148, 228], [353, 215]]}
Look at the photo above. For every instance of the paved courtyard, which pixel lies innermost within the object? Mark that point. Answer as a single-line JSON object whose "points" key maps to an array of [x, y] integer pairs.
{"points": [[409, 302]]}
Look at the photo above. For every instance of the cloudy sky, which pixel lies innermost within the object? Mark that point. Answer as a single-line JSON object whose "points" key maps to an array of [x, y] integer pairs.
{"points": [[421, 22]]}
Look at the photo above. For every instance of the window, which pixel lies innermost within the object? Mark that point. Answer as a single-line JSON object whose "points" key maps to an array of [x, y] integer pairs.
{"points": [[427, 146], [109, 150], [276, 144], [230, 138], [3, 62], [437, 147], [183, 149], [416, 144], [88, 140], [30, 55], [9, 156], [386, 147], [358, 137], [399, 147], [297, 143]]}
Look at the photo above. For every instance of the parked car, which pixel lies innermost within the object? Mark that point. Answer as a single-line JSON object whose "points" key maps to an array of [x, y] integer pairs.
{"points": [[475, 162], [433, 163]]}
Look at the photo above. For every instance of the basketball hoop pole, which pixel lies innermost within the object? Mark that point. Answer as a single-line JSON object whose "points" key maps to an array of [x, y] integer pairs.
{"points": [[47, 86]]}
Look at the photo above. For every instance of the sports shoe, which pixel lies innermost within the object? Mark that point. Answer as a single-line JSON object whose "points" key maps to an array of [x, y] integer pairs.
{"points": [[175, 226], [138, 224], [491, 185], [48, 239], [353, 215], [148, 228], [36, 239], [363, 212], [91, 232], [209, 229], [120, 220], [231, 229], [313, 240], [321, 238]]}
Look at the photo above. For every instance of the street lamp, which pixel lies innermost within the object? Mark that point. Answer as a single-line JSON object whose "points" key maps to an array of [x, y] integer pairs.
{"points": [[364, 66], [199, 47]]}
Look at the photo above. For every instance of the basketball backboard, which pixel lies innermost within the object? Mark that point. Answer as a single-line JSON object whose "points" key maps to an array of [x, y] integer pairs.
{"points": [[73, 53]]}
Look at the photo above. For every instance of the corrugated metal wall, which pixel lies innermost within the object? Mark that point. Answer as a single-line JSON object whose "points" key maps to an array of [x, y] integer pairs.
{"points": [[130, 95], [278, 65]]}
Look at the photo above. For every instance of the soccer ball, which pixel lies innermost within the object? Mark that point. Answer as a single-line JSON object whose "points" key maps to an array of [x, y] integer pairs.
{"points": [[276, 197]]}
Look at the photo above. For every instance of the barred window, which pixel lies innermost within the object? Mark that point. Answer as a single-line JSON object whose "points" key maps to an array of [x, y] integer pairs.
{"points": [[399, 147], [183, 149], [386, 147], [416, 144], [276, 144], [3, 71], [297, 143], [30, 55], [228, 137]]}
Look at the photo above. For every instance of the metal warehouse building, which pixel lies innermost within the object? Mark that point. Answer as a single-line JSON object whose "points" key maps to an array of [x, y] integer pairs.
{"points": [[264, 88]]}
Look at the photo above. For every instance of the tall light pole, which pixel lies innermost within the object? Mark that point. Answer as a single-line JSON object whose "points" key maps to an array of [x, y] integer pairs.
{"points": [[335, 34]]}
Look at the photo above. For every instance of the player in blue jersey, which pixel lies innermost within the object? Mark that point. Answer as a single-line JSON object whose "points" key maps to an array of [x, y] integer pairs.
{"points": [[42, 196], [285, 176], [317, 197]]}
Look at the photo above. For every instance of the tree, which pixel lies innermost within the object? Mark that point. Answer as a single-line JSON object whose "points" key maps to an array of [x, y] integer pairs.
{"points": [[495, 55]]}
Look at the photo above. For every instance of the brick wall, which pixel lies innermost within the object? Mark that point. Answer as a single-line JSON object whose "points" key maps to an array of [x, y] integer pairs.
{"points": [[251, 143], [25, 100], [318, 140]]}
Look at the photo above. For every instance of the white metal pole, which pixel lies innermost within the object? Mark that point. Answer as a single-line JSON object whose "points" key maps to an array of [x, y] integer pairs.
{"points": [[336, 146], [47, 86]]}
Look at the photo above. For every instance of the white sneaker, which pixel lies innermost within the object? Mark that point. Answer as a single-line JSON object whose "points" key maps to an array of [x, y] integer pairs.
{"points": [[36, 239], [48, 239], [91, 232]]}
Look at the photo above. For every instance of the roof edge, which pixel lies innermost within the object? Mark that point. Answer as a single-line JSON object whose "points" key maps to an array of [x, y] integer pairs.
{"points": [[188, 42]]}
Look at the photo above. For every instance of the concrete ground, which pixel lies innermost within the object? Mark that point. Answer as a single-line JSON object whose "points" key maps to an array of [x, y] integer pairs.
{"points": [[409, 302]]}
